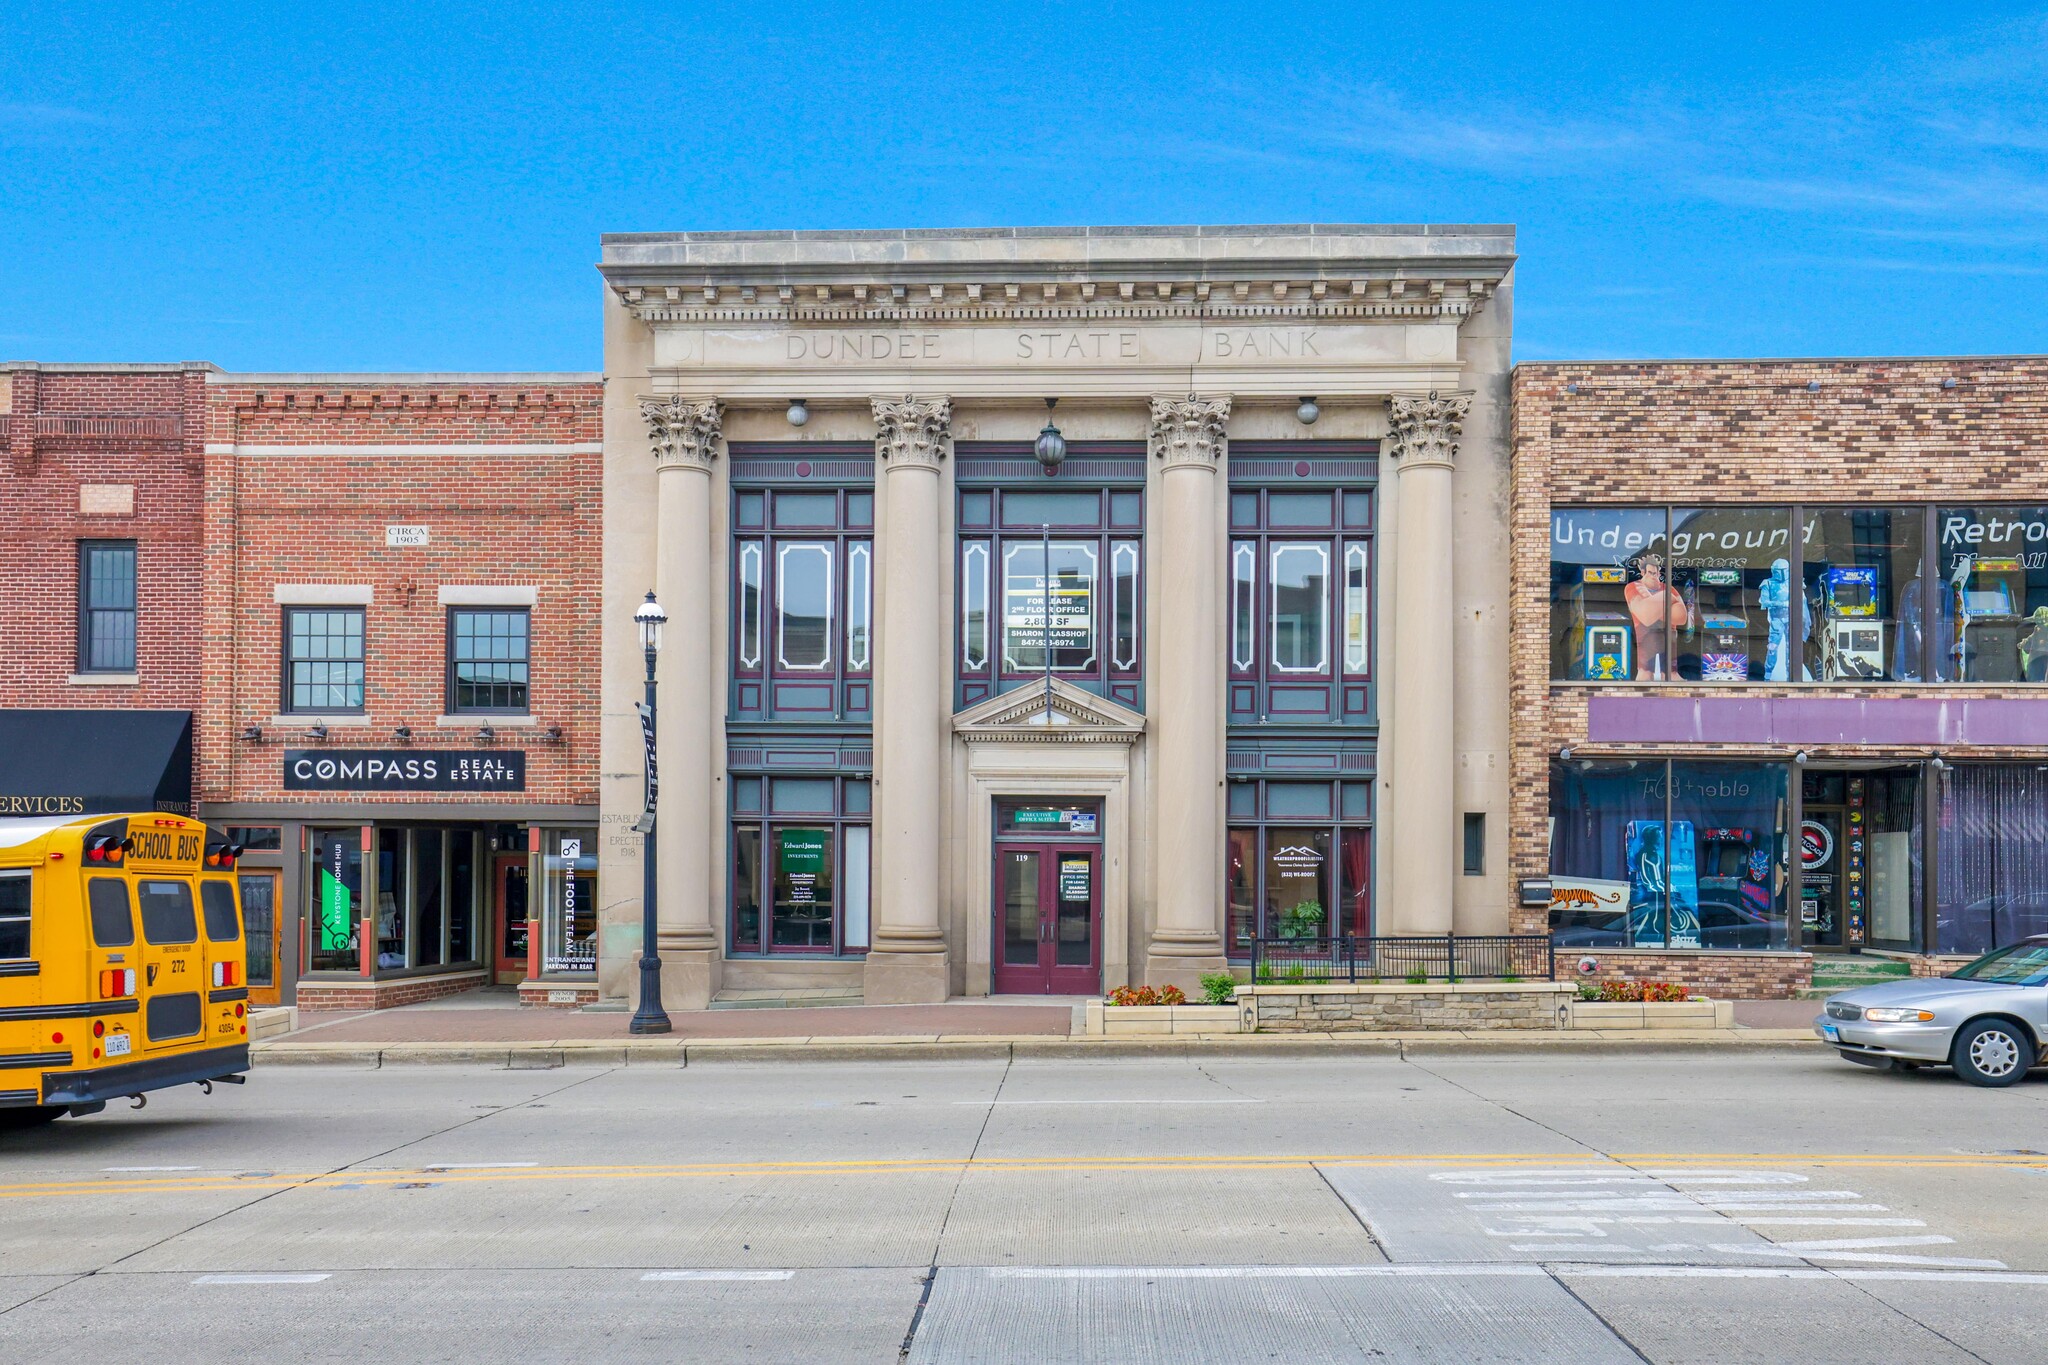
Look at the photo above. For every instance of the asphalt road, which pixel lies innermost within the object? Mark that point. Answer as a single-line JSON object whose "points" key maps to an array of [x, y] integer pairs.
{"points": [[1696, 1206]]}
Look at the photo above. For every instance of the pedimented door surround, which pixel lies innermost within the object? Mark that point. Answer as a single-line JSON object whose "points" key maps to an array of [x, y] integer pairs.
{"points": [[1084, 746]]}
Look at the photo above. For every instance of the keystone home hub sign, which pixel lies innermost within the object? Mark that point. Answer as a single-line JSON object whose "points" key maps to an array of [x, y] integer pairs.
{"points": [[404, 770]]}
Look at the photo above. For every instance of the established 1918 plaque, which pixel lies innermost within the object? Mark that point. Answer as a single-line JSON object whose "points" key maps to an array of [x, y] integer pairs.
{"points": [[404, 770]]}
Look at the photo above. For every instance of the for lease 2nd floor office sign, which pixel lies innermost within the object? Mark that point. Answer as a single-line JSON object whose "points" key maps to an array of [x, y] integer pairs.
{"points": [[404, 770]]}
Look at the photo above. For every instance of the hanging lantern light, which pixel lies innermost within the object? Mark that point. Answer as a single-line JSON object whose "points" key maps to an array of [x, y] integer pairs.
{"points": [[1051, 447]]}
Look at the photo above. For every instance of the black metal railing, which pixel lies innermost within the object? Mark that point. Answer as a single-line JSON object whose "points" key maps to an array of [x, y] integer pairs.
{"points": [[1405, 957]]}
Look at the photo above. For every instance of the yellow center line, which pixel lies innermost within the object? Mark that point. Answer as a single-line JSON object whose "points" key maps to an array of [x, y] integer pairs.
{"points": [[202, 1183]]}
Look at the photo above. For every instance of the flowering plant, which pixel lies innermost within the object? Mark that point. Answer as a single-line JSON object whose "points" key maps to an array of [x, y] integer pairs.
{"points": [[1634, 991], [1146, 995]]}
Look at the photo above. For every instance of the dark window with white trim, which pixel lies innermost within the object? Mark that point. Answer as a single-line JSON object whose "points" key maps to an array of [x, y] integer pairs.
{"points": [[1299, 631], [14, 925], [488, 654], [803, 604], [323, 650], [106, 606]]}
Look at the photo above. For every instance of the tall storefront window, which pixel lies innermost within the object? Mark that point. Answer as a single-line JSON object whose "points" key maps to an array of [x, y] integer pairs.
{"points": [[1731, 575], [1866, 595], [1299, 861], [1992, 877], [1299, 604], [802, 607], [1609, 592], [1050, 569], [568, 902], [1992, 601], [335, 915], [800, 871], [1657, 854]]}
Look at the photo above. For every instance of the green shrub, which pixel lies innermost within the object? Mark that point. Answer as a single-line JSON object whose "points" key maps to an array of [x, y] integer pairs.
{"points": [[1218, 987], [1418, 977], [1301, 919]]}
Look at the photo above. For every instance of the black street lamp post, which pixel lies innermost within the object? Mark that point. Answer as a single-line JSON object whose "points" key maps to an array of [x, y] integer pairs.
{"points": [[649, 1017]]}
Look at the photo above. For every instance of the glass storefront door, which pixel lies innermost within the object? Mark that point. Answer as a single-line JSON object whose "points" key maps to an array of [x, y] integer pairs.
{"points": [[1048, 898]]}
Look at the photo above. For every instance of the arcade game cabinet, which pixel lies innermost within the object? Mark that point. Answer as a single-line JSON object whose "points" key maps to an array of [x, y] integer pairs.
{"points": [[1603, 642], [1852, 642], [1724, 627], [1988, 623]]}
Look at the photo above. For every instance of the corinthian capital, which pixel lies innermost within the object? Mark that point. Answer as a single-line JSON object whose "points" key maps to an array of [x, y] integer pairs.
{"points": [[912, 432], [1424, 429], [684, 432], [1189, 431]]}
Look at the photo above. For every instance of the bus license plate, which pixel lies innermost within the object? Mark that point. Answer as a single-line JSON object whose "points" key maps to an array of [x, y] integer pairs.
{"points": [[117, 1045]]}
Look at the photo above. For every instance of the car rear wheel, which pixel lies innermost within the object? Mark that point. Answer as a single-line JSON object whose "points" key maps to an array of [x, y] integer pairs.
{"points": [[1992, 1052]]}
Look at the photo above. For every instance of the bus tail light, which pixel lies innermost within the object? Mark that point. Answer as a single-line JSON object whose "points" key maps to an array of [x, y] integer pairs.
{"points": [[105, 849], [116, 982], [223, 974]]}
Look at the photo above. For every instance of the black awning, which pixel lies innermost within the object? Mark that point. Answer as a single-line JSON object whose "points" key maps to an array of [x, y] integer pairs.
{"points": [[93, 762]]}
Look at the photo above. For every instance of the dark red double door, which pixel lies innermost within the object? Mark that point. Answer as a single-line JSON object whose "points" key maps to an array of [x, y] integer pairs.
{"points": [[1048, 900]]}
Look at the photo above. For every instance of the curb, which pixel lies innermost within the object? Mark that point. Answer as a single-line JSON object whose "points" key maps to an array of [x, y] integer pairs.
{"points": [[547, 1056]]}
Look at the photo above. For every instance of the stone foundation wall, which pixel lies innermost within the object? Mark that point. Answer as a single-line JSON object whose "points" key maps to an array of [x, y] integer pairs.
{"points": [[1338, 1008], [1726, 976]]}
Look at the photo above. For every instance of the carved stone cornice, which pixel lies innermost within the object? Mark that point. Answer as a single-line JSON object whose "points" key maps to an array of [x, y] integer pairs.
{"points": [[1424, 429], [684, 432], [912, 432], [1075, 717], [1188, 431]]}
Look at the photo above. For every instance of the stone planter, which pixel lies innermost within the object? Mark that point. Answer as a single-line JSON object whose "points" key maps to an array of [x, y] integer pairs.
{"points": [[1337, 1007], [1648, 1014], [1128, 1021]]}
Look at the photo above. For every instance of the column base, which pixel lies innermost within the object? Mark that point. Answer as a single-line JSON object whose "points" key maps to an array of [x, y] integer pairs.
{"points": [[689, 978], [906, 978], [1182, 961]]}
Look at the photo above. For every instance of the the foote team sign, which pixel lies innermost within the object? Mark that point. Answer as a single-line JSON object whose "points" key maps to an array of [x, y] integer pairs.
{"points": [[404, 770]]}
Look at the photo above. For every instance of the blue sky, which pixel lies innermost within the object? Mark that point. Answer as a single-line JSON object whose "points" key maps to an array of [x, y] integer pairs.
{"points": [[421, 186]]}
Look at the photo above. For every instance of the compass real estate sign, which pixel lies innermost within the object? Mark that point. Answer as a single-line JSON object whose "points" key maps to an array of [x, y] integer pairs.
{"points": [[404, 770]]}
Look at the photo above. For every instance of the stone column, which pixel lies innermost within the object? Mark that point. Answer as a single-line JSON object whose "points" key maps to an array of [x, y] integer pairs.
{"points": [[1420, 831], [685, 434], [1187, 937], [906, 963]]}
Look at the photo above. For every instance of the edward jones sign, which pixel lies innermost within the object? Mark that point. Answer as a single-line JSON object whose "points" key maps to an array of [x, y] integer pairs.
{"points": [[404, 770]]}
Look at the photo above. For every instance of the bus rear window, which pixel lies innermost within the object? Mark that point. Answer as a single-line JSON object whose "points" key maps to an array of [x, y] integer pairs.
{"points": [[217, 901], [14, 914], [113, 922], [167, 912]]}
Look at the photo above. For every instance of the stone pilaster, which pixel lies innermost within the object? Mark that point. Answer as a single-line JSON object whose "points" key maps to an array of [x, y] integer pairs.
{"points": [[1418, 829], [906, 963], [1187, 440], [684, 434]]}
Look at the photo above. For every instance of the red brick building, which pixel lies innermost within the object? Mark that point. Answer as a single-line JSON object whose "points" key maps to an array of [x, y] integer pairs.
{"points": [[1780, 662], [99, 602]]}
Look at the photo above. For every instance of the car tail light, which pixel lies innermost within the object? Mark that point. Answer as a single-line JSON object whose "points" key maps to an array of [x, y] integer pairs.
{"points": [[99, 1028], [116, 982], [223, 973], [105, 849], [238, 1011]]}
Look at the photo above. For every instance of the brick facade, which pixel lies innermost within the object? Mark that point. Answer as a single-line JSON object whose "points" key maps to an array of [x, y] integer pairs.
{"points": [[1898, 432], [1725, 976], [100, 452]]}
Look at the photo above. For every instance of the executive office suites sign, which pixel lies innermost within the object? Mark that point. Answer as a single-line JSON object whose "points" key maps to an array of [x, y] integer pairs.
{"points": [[404, 770]]}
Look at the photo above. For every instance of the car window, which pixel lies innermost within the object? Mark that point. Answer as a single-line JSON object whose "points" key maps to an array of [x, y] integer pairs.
{"points": [[2020, 965], [167, 912], [113, 919], [217, 901]]}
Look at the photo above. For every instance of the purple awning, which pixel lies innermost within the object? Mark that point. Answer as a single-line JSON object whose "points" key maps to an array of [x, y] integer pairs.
{"points": [[1891, 721]]}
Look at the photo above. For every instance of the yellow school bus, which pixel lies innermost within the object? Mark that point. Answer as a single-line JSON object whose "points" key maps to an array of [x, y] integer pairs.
{"points": [[121, 962]]}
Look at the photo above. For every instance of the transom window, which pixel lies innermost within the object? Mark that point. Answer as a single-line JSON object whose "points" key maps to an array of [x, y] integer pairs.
{"points": [[1300, 608], [803, 604], [488, 655], [1054, 570], [323, 658], [106, 606]]}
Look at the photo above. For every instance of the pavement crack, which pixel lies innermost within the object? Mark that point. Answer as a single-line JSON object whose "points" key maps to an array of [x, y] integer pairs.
{"points": [[952, 1198], [1504, 1108], [1356, 1216], [1598, 1316], [36, 1298]]}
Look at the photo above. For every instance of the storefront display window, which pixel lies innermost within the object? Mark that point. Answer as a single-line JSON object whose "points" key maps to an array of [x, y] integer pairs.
{"points": [[1608, 593], [427, 897], [569, 901], [1866, 597], [1650, 854], [1991, 622], [335, 914], [800, 872], [1730, 598], [1992, 860], [1299, 861]]}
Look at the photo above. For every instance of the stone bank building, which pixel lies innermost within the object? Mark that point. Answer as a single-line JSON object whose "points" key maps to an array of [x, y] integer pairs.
{"points": [[1270, 571]]}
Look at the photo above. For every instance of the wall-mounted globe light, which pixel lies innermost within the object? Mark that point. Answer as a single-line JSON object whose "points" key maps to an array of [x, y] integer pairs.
{"points": [[1307, 413], [1051, 447], [798, 413]]}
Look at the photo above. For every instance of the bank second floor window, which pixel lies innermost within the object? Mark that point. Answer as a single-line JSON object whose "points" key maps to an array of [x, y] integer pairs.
{"points": [[1868, 594], [487, 661], [1300, 607], [1057, 569], [323, 658], [803, 604], [106, 606]]}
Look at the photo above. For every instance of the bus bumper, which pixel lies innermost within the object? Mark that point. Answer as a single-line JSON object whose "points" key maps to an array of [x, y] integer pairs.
{"points": [[105, 1083]]}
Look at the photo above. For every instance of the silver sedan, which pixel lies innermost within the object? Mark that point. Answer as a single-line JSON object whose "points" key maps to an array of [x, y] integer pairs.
{"points": [[1988, 1019]]}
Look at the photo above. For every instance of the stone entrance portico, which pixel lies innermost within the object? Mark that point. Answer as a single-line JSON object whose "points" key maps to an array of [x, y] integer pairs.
{"points": [[921, 360]]}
